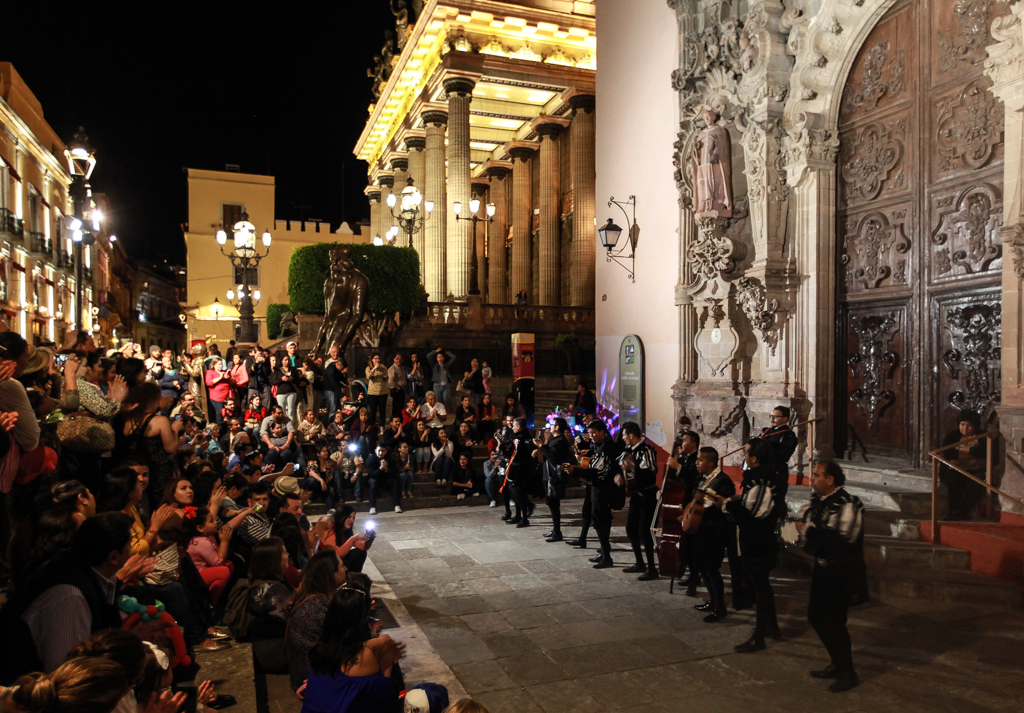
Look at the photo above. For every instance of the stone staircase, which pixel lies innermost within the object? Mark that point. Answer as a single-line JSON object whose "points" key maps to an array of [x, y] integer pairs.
{"points": [[544, 402], [900, 565]]}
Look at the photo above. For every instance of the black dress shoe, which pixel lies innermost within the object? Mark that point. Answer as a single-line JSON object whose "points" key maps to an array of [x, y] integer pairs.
{"points": [[529, 509], [515, 521], [523, 523], [648, 575], [750, 646], [507, 516], [829, 671], [706, 606], [548, 534], [634, 568], [715, 616], [604, 563], [555, 537], [582, 544], [596, 558], [845, 682], [691, 590]]}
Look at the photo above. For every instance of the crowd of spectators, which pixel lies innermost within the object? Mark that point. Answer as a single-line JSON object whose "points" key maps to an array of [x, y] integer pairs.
{"points": [[152, 507]]}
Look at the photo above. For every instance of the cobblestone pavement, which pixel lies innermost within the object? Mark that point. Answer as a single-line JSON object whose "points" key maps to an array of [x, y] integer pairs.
{"points": [[528, 626]]}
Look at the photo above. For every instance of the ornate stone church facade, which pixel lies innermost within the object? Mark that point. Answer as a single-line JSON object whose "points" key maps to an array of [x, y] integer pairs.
{"points": [[875, 247]]}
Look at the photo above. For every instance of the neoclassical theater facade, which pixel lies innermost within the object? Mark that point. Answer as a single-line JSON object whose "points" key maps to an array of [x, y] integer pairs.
{"points": [[873, 249]]}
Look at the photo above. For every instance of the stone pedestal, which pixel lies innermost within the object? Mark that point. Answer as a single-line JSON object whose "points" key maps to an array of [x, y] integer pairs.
{"points": [[474, 312], [309, 327]]}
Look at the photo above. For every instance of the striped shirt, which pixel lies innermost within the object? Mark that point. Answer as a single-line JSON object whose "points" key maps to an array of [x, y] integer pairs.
{"points": [[839, 511]]}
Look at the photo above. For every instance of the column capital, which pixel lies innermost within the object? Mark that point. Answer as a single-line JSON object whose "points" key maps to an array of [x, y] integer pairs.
{"points": [[583, 102], [435, 117], [497, 169], [459, 86], [521, 150], [386, 180], [400, 163], [416, 143], [479, 184], [373, 194], [550, 126]]}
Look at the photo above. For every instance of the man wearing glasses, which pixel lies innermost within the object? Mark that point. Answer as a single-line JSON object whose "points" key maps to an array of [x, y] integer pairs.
{"points": [[783, 442]]}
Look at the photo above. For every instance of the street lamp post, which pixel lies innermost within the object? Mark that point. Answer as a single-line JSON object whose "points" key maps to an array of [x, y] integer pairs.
{"points": [[81, 162], [244, 256], [474, 208], [408, 216]]}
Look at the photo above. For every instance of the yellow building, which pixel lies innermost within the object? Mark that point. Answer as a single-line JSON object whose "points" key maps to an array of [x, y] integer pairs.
{"points": [[37, 276], [216, 201]]}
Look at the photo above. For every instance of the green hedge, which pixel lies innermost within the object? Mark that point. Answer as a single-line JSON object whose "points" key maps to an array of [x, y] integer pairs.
{"points": [[394, 275], [274, 311]]}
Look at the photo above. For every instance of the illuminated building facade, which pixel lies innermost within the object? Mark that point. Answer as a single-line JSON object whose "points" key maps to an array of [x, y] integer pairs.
{"points": [[493, 101]]}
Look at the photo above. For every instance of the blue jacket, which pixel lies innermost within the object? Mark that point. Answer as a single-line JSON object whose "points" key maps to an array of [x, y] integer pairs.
{"points": [[442, 372]]}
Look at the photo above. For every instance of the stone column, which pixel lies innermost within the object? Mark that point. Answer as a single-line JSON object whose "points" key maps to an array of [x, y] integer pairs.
{"points": [[812, 175], [387, 183], [373, 194], [497, 264], [435, 277], [460, 232], [418, 172], [400, 165], [549, 291], [1005, 67], [687, 312], [480, 188], [584, 232], [522, 223]]}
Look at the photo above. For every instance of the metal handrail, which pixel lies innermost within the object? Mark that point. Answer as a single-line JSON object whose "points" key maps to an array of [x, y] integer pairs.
{"points": [[936, 459]]}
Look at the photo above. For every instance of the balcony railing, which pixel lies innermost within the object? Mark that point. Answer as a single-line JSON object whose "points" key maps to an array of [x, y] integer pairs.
{"points": [[39, 243], [65, 260], [527, 316], [10, 223]]}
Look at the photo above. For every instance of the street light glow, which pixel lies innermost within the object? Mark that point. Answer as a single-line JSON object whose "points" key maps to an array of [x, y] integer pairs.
{"points": [[392, 200], [222, 237]]}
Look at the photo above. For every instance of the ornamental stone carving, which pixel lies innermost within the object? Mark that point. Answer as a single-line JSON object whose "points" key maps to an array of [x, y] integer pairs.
{"points": [[873, 363], [752, 297], [1006, 57], [883, 75], [869, 159], [1013, 236], [970, 126], [871, 248], [976, 331], [969, 228], [712, 170], [966, 42], [711, 254]]}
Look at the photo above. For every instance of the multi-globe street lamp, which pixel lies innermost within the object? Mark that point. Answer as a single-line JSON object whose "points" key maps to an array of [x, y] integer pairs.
{"points": [[86, 219], [474, 208], [408, 215], [244, 257]]}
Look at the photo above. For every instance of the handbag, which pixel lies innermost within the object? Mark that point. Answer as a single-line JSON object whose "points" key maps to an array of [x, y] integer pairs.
{"points": [[83, 431], [460, 388]]}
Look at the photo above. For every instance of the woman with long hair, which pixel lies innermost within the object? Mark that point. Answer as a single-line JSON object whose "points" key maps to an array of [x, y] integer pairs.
{"points": [[486, 417], [61, 511], [349, 669], [122, 491], [150, 438], [512, 408], [340, 538], [306, 610], [377, 389], [79, 685], [220, 385], [266, 602]]}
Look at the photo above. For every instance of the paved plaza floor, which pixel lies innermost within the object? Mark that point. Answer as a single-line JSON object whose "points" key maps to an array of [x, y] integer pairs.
{"points": [[526, 626]]}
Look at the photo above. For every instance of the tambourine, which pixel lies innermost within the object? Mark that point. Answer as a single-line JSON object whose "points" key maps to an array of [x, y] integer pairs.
{"points": [[788, 532]]}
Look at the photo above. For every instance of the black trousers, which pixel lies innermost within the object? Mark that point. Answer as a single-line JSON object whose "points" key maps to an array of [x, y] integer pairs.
{"points": [[397, 402], [521, 494], [638, 527], [758, 569], [963, 492], [827, 611], [555, 506], [602, 516], [742, 592], [587, 513]]}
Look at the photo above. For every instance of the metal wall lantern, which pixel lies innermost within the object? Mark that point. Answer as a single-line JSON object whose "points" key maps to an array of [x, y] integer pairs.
{"points": [[610, 233]]}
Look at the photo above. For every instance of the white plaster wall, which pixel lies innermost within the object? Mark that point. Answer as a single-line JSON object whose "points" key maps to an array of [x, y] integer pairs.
{"points": [[637, 120]]}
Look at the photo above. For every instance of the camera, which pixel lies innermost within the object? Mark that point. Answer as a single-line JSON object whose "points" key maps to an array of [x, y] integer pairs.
{"points": [[371, 531]]}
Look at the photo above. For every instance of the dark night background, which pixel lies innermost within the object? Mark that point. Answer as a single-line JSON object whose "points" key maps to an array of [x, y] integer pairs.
{"points": [[278, 89]]}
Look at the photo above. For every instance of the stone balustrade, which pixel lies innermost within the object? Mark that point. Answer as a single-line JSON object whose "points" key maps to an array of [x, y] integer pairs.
{"points": [[528, 318]]}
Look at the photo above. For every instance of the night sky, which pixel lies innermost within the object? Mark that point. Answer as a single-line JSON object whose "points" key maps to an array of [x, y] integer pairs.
{"points": [[278, 89]]}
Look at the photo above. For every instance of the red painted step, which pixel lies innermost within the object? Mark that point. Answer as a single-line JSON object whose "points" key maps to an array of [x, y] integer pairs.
{"points": [[997, 549]]}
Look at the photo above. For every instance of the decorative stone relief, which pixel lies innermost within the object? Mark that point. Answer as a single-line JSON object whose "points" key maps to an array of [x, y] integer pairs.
{"points": [[1013, 235], [875, 361], [967, 41], [1006, 57], [716, 341], [811, 147], [976, 330], [868, 248], [753, 300], [711, 254], [883, 76], [970, 126], [969, 228], [869, 159]]}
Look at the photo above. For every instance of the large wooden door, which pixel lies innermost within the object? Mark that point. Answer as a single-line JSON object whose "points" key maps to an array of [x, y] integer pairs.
{"points": [[919, 211]]}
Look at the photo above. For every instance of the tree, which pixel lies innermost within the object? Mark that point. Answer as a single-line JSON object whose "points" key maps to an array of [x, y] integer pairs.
{"points": [[569, 345]]}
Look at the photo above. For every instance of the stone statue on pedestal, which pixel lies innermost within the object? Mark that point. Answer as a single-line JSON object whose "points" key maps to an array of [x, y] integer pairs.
{"points": [[712, 170], [346, 294]]}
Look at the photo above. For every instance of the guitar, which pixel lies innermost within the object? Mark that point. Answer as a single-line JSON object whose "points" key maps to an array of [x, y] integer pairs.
{"points": [[629, 474]]}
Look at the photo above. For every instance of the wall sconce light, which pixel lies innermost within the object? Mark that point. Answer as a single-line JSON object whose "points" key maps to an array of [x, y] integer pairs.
{"points": [[609, 236]]}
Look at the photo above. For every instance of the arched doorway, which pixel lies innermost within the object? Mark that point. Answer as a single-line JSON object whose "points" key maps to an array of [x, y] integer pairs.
{"points": [[919, 208]]}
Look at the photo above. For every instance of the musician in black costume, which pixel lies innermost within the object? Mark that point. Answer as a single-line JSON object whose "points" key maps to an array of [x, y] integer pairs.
{"points": [[505, 433], [709, 541], [644, 501], [518, 449], [783, 442], [683, 467], [583, 444], [603, 477], [754, 510], [555, 453], [832, 527]]}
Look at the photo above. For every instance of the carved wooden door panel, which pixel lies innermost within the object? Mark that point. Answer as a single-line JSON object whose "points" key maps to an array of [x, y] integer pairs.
{"points": [[919, 209]]}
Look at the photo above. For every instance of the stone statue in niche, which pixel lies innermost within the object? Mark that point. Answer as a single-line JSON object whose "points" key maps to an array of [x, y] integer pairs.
{"points": [[712, 170], [346, 294]]}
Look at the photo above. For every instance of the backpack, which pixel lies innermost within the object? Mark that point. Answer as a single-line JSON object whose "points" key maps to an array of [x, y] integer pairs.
{"points": [[236, 612]]}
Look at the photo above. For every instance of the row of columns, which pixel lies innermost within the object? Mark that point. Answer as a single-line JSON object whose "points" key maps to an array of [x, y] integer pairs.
{"points": [[447, 245]]}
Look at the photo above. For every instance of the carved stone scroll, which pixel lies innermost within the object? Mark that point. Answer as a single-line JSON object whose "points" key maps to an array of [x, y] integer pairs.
{"points": [[871, 250], [969, 229], [970, 126], [870, 159]]}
